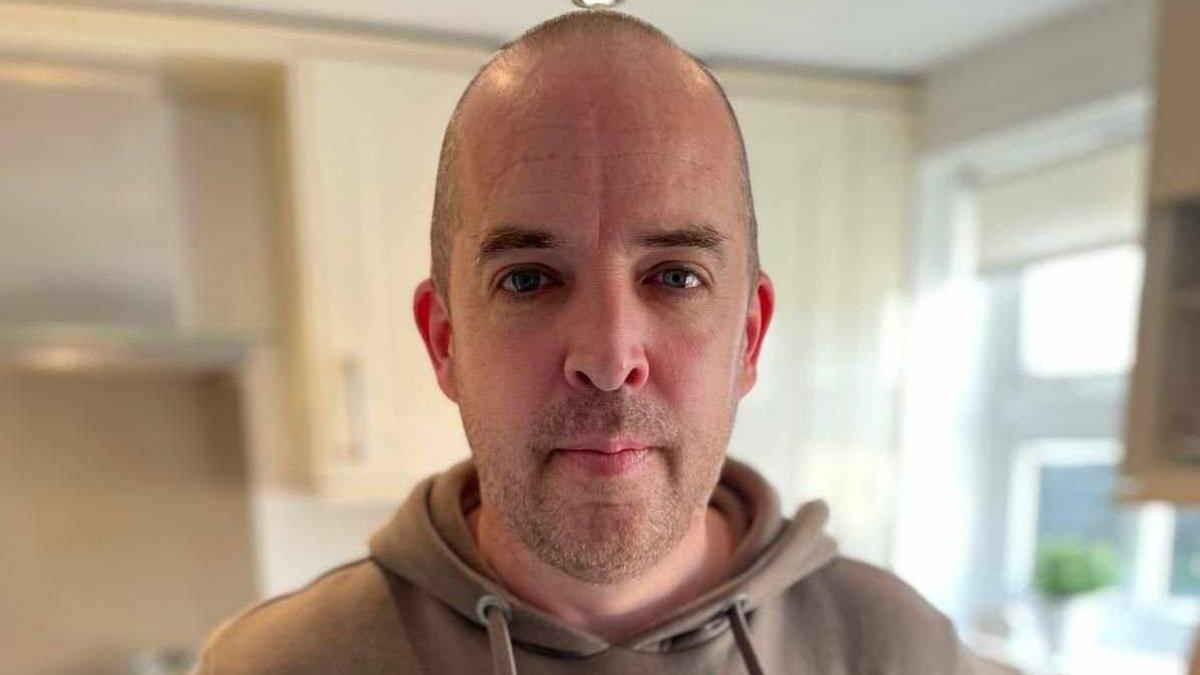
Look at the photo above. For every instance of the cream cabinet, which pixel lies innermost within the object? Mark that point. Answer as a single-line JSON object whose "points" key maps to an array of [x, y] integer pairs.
{"points": [[366, 137], [336, 136]]}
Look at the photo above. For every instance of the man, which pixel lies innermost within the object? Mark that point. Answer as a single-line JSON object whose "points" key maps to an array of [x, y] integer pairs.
{"points": [[596, 311]]}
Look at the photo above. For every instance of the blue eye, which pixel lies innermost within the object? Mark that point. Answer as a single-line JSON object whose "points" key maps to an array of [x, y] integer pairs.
{"points": [[523, 281], [679, 278]]}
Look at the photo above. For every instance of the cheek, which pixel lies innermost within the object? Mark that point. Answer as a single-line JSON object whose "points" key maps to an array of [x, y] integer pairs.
{"points": [[507, 370], [697, 367]]}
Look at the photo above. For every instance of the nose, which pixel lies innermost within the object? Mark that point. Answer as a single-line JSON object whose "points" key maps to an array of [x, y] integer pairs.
{"points": [[606, 347]]}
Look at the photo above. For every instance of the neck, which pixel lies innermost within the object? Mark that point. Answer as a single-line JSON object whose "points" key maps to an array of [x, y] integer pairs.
{"points": [[612, 611]]}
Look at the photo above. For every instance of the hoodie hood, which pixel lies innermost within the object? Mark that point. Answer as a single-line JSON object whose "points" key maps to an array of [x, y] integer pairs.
{"points": [[428, 543]]}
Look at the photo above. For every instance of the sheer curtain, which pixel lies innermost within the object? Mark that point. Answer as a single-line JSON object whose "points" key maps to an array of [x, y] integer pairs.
{"points": [[980, 229], [831, 181]]}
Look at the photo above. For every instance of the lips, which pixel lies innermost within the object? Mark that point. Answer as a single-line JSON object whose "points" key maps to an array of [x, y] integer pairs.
{"points": [[605, 447], [606, 459]]}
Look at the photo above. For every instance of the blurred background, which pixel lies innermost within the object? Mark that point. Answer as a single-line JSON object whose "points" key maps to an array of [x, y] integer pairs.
{"points": [[982, 218]]}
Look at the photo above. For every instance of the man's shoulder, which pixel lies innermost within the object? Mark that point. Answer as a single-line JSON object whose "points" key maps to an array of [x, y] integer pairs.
{"points": [[883, 618], [328, 626], [859, 584]]}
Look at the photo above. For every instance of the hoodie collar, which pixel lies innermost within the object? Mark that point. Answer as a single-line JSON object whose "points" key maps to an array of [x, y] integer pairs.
{"points": [[428, 542]]}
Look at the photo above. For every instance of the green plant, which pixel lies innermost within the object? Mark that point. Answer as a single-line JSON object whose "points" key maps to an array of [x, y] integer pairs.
{"points": [[1066, 568]]}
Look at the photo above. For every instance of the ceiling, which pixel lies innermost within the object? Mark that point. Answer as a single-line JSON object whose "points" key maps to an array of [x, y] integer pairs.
{"points": [[901, 37]]}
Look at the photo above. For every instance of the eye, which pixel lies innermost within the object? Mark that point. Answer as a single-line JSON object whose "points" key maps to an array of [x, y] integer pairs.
{"points": [[524, 281], [678, 278]]}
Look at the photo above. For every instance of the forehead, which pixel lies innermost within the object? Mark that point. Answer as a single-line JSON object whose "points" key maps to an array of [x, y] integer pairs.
{"points": [[594, 140]]}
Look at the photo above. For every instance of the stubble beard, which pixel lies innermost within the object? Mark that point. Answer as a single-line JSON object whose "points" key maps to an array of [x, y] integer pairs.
{"points": [[607, 531]]}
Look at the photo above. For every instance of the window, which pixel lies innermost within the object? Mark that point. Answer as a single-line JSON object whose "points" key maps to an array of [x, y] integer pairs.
{"points": [[1074, 494], [1061, 345], [1032, 238], [1185, 556], [1079, 313], [1076, 322]]}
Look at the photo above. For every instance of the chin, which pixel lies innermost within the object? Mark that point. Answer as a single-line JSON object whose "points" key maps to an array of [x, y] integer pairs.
{"points": [[601, 538], [608, 544]]}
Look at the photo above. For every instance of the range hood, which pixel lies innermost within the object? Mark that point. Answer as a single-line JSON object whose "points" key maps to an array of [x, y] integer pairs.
{"points": [[98, 347], [150, 261]]}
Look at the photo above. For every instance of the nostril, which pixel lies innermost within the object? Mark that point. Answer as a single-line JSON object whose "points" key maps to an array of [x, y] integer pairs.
{"points": [[605, 377], [637, 376]]}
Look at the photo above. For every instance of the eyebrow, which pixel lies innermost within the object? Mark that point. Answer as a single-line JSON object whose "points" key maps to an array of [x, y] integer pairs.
{"points": [[704, 237], [501, 240], [508, 238]]}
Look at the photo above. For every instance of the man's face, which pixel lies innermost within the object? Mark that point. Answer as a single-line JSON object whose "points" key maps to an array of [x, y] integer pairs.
{"points": [[602, 322]]}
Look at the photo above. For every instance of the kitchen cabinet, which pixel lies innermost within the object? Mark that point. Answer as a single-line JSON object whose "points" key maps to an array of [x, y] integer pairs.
{"points": [[1176, 163], [1162, 461], [298, 249], [366, 141], [1163, 426], [308, 163]]}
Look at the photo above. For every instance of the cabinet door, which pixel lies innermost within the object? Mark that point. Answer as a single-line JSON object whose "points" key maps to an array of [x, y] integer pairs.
{"points": [[367, 138], [1162, 459]]}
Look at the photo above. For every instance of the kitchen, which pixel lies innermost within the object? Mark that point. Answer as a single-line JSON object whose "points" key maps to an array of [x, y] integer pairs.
{"points": [[212, 393]]}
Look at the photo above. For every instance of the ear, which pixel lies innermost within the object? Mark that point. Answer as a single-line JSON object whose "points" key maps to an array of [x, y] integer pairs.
{"points": [[758, 318], [433, 320]]}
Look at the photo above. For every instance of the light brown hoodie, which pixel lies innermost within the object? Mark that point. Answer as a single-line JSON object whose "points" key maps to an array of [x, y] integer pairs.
{"points": [[423, 602]]}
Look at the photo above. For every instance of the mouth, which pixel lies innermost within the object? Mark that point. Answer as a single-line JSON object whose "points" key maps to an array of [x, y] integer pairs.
{"points": [[605, 446], [606, 460]]}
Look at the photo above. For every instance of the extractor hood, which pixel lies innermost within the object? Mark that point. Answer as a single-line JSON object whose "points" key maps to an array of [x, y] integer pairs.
{"points": [[103, 227], [98, 347]]}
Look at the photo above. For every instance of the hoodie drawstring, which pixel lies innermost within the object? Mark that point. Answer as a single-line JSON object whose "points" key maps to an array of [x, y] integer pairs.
{"points": [[495, 614], [741, 633]]}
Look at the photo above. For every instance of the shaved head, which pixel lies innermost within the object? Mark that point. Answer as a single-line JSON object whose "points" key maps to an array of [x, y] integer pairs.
{"points": [[590, 43]]}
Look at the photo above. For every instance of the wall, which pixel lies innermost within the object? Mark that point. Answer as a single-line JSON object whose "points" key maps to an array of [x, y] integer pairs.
{"points": [[125, 514], [299, 536], [1085, 56]]}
